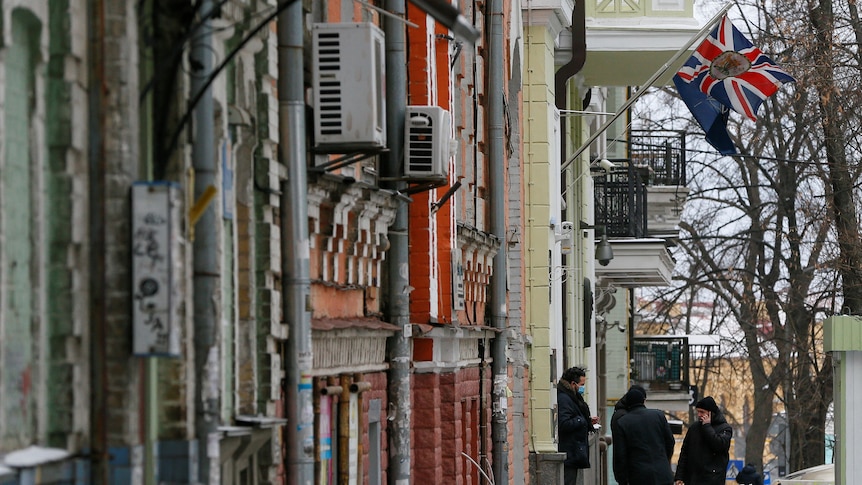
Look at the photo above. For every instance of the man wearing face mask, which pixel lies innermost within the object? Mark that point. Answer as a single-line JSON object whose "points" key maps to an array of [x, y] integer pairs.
{"points": [[574, 422]]}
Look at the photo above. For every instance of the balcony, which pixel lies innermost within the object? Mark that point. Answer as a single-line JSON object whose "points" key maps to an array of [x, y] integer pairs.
{"points": [[660, 365], [644, 196], [662, 155], [639, 203], [621, 200], [641, 35]]}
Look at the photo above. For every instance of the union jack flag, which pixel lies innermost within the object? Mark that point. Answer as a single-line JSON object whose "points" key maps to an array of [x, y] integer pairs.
{"points": [[727, 67]]}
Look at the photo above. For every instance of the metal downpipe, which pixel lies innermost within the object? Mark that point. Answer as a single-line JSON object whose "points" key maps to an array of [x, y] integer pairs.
{"points": [[207, 285], [295, 251], [500, 368], [397, 290]]}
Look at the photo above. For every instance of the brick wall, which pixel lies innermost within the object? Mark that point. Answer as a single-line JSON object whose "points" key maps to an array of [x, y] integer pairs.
{"points": [[447, 414], [68, 291], [119, 168], [426, 435]]}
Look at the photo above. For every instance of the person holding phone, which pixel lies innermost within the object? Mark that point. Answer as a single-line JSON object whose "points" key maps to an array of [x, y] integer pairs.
{"points": [[574, 423], [706, 447]]}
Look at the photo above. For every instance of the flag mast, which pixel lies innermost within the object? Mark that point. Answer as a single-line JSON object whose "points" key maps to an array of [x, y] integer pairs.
{"points": [[629, 102]]}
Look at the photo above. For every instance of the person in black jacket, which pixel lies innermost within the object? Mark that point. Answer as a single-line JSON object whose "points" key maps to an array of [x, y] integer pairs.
{"points": [[749, 476], [574, 422], [621, 407], [643, 444], [705, 449]]}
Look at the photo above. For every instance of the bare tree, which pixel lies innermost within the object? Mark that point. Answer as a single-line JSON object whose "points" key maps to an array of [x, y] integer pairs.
{"points": [[773, 234]]}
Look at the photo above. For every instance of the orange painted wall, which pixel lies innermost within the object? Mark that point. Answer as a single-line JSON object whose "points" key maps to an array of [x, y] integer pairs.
{"points": [[429, 83]]}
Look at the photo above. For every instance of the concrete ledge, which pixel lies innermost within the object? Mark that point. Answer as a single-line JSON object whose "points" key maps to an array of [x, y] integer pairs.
{"points": [[547, 468]]}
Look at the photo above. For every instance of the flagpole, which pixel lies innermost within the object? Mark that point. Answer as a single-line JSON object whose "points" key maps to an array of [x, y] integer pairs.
{"points": [[681, 52]]}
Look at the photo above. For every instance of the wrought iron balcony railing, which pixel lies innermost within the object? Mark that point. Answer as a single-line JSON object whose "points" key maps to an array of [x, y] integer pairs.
{"points": [[655, 158], [621, 201], [660, 363], [661, 153]]}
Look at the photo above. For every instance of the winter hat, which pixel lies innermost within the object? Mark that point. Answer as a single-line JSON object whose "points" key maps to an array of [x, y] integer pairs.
{"points": [[707, 403], [634, 396]]}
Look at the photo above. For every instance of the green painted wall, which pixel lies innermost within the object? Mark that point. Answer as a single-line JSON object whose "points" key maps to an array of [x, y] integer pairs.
{"points": [[17, 411], [637, 8], [538, 100]]}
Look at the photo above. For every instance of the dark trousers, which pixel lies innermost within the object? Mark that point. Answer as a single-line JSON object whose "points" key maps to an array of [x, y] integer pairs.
{"points": [[570, 475]]}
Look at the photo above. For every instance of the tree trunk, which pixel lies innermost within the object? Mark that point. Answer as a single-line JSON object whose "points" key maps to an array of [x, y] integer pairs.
{"points": [[841, 197]]}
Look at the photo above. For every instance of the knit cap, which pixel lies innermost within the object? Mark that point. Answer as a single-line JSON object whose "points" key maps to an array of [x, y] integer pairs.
{"points": [[634, 396], [707, 403]]}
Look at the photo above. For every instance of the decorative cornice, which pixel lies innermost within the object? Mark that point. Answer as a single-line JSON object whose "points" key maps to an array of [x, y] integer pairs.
{"points": [[454, 348], [554, 15]]}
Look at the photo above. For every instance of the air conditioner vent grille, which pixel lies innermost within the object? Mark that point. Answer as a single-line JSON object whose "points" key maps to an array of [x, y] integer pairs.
{"points": [[427, 143], [421, 144]]}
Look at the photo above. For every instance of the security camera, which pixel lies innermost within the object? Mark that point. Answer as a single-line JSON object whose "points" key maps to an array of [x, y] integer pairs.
{"points": [[607, 165], [604, 262]]}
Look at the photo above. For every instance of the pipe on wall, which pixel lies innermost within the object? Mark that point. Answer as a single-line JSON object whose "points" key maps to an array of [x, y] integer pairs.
{"points": [[99, 411], [497, 182], [398, 273], [205, 256], [295, 249]]}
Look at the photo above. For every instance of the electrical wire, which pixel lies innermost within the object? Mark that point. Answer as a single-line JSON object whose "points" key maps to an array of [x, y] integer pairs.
{"points": [[187, 115]]}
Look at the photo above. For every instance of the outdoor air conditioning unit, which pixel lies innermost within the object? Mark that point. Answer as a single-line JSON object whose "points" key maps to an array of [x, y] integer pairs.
{"points": [[427, 142], [349, 87]]}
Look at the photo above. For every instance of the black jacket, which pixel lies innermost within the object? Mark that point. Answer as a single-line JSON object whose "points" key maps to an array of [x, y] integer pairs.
{"points": [[749, 476], [643, 447], [620, 410], [705, 452], [574, 425]]}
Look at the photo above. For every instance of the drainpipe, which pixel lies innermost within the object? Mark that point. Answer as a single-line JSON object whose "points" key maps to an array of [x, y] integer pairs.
{"points": [[207, 296], [97, 129], [397, 291], [295, 258], [499, 368]]}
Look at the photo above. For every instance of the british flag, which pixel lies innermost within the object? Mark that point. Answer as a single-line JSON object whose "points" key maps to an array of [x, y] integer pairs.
{"points": [[727, 67]]}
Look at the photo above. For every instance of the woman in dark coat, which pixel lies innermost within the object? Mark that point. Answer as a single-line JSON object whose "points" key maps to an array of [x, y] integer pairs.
{"points": [[643, 444], [705, 449], [574, 422]]}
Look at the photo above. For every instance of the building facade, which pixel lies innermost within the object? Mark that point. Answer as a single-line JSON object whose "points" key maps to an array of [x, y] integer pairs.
{"points": [[266, 241], [203, 283]]}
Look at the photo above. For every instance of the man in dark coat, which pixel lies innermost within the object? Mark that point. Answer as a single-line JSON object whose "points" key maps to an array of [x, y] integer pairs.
{"points": [[705, 449], [621, 407], [643, 444], [574, 422]]}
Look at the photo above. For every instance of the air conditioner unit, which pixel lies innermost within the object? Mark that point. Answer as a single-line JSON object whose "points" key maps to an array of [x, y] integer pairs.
{"points": [[349, 87], [427, 142]]}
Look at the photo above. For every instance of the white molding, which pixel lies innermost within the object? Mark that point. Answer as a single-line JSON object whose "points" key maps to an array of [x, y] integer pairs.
{"points": [[639, 36], [554, 15], [638, 263], [349, 350], [668, 5]]}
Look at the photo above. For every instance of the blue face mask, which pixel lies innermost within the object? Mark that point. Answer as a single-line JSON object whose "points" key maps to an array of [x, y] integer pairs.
{"points": [[581, 390]]}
